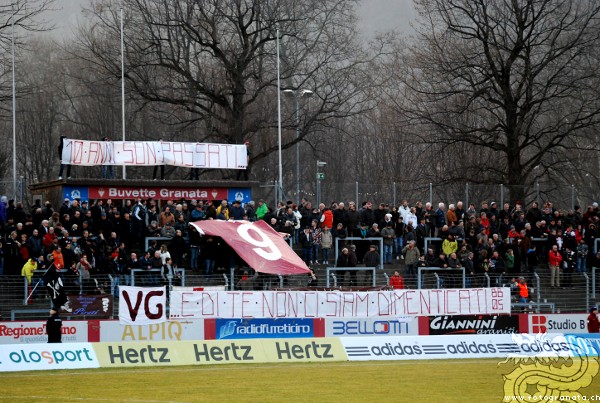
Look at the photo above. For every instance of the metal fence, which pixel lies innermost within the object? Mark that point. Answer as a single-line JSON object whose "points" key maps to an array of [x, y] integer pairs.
{"points": [[16, 191], [579, 291], [563, 197]]}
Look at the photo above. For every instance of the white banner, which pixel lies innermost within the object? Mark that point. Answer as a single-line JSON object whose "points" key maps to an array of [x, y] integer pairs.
{"points": [[142, 305], [73, 331], [323, 304], [29, 357], [166, 331], [148, 153]]}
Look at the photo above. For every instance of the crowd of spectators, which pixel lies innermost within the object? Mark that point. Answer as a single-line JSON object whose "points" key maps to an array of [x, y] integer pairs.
{"points": [[106, 237]]}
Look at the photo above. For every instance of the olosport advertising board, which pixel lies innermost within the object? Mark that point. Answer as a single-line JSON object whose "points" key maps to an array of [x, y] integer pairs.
{"points": [[31, 357]]}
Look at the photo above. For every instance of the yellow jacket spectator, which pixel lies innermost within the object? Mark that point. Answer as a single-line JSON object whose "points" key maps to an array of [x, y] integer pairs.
{"points": [[223, 211], [449, 246], [28, 268]]}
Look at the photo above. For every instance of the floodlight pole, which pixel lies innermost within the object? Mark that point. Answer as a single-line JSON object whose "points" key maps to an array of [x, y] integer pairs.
{"points": [[280, 165], [123, 87], [14, 105]]}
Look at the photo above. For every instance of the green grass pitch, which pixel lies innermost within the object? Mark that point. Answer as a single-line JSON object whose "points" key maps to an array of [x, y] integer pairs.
{"points": [[397, 381]]}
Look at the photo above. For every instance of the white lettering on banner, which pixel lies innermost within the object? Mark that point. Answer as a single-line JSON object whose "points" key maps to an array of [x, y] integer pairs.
{"points": [[73, 331], [165, 331], [148, 153], [142, 305], [27, 357], [459, 346], [323, 304]]}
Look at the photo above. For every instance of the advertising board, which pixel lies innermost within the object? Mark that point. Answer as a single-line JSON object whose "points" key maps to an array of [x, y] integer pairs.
{"points": [[558, 323], [165, 331], [97, 306], [473, 324], [360, 327], [219, 352], [31, 332], [261, 328], [455, 346], [29, 357]]}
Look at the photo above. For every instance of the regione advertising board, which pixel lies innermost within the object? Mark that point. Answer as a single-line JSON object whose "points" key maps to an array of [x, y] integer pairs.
{"points": [[362, 327], [558, 323], [73, 331], [324, 304], [171, 330]]}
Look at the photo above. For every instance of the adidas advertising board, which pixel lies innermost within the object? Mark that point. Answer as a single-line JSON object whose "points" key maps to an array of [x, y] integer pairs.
{"points": [[459, 346]]}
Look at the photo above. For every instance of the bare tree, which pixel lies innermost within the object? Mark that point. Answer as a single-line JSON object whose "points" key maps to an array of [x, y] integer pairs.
{"points": [[210, 65], [16, 18], [515, 81]]}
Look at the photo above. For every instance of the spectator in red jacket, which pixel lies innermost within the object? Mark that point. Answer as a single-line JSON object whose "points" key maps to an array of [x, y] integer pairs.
{"points": [[396, 281], [592, 321], [554, 261], [326, 216]]}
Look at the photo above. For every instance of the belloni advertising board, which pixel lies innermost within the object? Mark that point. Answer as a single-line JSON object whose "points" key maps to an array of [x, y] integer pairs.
{"points": [[362, 327]]}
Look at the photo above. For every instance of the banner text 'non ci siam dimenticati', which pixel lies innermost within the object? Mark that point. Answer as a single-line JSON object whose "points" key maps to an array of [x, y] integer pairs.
{"points": [[323, 304], [149, 153]]}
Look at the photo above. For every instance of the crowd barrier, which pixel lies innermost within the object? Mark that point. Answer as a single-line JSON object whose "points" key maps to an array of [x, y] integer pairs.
{"points": [[84, 331], [330, 349]]}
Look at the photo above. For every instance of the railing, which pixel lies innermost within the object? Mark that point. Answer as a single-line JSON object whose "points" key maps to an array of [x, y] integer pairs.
{"points": [[373, 270], [578, 299], [594, 281], [435, 271], [537, 305], [351, 239], [153, 279]]}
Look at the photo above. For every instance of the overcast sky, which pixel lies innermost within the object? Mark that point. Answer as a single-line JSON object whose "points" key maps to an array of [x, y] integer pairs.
{"points": [[375, 15]]}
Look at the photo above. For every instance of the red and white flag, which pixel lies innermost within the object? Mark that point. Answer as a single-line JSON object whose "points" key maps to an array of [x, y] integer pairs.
{"points": [[258, 244]]}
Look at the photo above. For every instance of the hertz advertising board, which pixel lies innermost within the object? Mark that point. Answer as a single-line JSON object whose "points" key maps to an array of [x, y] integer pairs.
{"points": [[219, 352]]}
